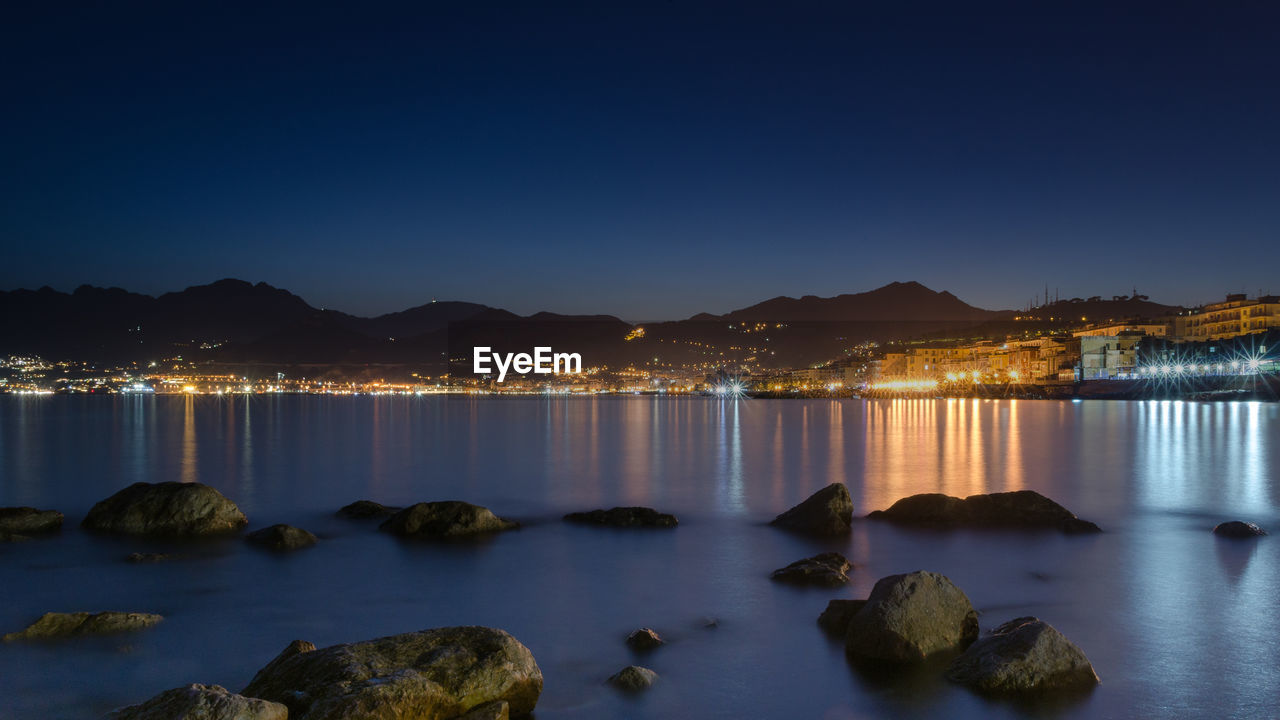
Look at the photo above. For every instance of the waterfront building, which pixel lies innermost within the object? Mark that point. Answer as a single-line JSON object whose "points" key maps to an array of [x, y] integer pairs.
{"points": [[1234, 317]]}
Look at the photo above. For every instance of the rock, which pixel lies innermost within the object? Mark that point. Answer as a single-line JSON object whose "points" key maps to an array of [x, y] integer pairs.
{"points": [[827, 569], [909, 617], [18, 522], [166, 509], [1020, 509], [297, 647], [365, 509], [499, 710], [58, 625], [826, 512], [282, 538], [644, 639], [147, 557], [624, 517], [835, 619], [1238, 529], [429, 675], [445, 520], [1023, 656], [202, 702], [633, 678]]}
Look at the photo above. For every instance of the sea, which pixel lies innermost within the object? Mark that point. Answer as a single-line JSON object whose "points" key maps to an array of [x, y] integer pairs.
{"points": [[1177, 622]]}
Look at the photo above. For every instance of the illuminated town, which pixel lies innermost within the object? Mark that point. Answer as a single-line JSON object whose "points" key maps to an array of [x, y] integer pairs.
{"points": [[1225, 347]]}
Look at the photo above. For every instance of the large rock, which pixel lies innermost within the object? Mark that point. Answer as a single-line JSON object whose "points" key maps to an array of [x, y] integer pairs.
{"points": [[633, 678], [1025, 655], [1025, 509], [835, 619], [16, 523], [624, 517], [826, 569], [644, 639], [365, 509], [166, 509], [447, 519], [429, 675], [202, 702], [909, 617], [826, 512], [1238, 529], [58, 625], [281, 538]]}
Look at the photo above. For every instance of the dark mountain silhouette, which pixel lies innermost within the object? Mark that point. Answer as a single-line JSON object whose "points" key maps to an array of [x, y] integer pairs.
{"points": [[236, 322], [897, 302]]}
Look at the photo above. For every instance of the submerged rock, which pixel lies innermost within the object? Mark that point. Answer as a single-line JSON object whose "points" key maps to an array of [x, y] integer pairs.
{"points": [[633, 678], [827, 569], [447, 519], [909, 617], [624, 517], [435, 674], [16, 523], [58, 625], [202, 702], [166, 509], [365, 509], [826, 512], [139, 557], [835, 619], [1238, 529], [282, 538], [1025, 509], [644, 639], [1024, 655]]}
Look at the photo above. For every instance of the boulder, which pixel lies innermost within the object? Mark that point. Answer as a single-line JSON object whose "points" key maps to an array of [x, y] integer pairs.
{"points": [[166, 509], [826, 512], [282, 538], [1238, 529], [826, 569], [1025, 655], [428, 675], [449, 519], [202, 702], [835, 619], [633, 678], [58, 625], [644, 639], [909, 617], [366, 509], [18, 522], [624, 517], [1026, 509]]}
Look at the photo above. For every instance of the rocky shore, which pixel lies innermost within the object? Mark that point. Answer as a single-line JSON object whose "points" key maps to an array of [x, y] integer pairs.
{"points": [[908, 620]]}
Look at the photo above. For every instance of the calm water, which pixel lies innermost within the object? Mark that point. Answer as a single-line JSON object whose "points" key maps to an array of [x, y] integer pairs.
{"points": [[1177, 623]]}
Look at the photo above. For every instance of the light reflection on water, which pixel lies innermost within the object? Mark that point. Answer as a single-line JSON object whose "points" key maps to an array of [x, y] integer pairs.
{"points": [[1177, 623]]}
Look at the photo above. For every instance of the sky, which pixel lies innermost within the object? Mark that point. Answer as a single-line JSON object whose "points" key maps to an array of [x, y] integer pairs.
{"points": [[649, 160]]}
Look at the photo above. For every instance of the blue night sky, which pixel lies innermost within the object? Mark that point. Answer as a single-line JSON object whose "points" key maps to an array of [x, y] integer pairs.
{"points": [[650, 160]]}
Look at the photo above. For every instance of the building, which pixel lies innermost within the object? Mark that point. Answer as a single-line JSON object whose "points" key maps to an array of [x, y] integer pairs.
{"points": [[1112, 357], [1236, 316], [1152, 329]]}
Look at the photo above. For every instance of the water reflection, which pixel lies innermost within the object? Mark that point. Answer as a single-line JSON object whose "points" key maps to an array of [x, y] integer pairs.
{"points": [[190, 470]]}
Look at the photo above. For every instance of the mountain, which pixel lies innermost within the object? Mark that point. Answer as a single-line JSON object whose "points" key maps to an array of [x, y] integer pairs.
{"points": [[234, 322], [895, 302]]}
